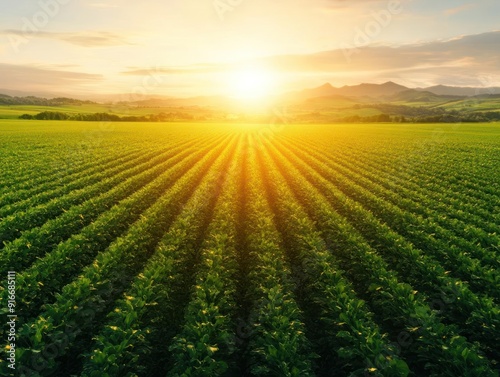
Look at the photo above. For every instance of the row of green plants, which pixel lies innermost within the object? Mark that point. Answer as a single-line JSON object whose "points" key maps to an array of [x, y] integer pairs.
{"points": [[51, 155], [277, 344], [137, 333], [437, 197], [35, 216], [435, 347], [464, 224], [38, 286], [31, 187], [452, 252], [34, 243], [54, 163], [12, 226], [205, 343], [119, 168], [300, 271], [347, 338], [24, 168], [82, 304], [466, 218], [429, 220], [478, 316], [421, 174], [436, 155], [436, 173]]}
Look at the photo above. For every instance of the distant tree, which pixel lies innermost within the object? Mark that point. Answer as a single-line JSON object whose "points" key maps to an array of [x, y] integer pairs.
{"points": [[383, 118], [51, 115]]}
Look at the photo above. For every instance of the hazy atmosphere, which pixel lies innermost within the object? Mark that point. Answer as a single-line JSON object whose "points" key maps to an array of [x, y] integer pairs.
{"points": [[214, 47], [250, 188]]}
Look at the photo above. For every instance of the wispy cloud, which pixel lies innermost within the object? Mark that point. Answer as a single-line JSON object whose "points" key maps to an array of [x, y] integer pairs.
{"points": [[462, 60], [102, 5], [465, 56], [188, 69], [83, 39], [348, 3], [35, 78], [459, 9]]}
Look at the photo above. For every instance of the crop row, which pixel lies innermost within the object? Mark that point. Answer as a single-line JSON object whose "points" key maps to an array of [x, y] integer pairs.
{"points": [[444, 351], [82, 182], [424, 234], [205, 342], [128, 342], [16, 198], [36, 181], [348, 340], [277, 343], [67, 324], [479, 316], [485, 253], [411, 197], [422, 182], [12, 226], [35, 242], [37, 285], [403, 167], [227, 253]]}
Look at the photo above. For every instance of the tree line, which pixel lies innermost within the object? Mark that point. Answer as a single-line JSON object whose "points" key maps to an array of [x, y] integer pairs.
{"points": [[107, 117], [38, 101], [441, 117]]}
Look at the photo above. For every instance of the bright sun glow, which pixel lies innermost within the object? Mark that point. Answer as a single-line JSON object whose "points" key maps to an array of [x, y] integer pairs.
{"points": [[251, 83]]}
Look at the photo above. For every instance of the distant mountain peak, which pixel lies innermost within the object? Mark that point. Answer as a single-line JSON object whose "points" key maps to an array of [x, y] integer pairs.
{"points": [[326, 86], [392, 83]]}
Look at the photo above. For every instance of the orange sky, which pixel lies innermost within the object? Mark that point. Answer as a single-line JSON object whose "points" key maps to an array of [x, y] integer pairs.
{"points": [[187, 48]]}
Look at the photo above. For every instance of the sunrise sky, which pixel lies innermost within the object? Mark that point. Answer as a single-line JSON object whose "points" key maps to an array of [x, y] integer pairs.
{"points": [[222, 47]]}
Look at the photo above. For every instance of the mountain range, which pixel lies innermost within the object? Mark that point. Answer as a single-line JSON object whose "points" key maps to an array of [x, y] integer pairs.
{"points": [[386, 92], [391, 91]]}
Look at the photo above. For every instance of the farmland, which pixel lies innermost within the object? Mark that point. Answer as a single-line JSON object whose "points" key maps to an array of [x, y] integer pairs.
{"points": [[204, 249]]}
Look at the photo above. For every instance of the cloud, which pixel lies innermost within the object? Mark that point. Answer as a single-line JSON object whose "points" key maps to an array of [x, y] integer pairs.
{"points": [[33, 78], [463, 59], [188, 69], [469, 60], [460, 61], [335, 5], [84, 39], [102, 5], [459, 9], [349, 3]]}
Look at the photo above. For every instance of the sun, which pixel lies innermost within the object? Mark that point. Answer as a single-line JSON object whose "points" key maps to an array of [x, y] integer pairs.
{"points": [[251, 83]]}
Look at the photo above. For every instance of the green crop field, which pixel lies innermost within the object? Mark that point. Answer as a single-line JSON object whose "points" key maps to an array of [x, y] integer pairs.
{"points": [[14, 111], [178, 249]]}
